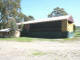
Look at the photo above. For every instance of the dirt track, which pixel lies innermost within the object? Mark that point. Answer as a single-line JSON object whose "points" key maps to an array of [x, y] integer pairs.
{"points": [[12, 50]]}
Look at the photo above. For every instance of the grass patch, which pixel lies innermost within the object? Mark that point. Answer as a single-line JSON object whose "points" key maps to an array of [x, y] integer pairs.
{"points": [[30, 39], [38, 53], [22, 39], [27, 39], [77, 34]]}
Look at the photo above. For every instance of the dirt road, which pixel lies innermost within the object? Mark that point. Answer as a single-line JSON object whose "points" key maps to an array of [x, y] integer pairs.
{"points": [[39, 50]]}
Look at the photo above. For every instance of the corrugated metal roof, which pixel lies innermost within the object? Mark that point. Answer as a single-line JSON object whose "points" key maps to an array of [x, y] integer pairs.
{"points": [[67, 17]]}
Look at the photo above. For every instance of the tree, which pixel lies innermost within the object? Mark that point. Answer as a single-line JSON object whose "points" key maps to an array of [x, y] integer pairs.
{"points": [[31, 17], [12, 25], [20, 18], [28, 18], [57, 12], [9, 8]]}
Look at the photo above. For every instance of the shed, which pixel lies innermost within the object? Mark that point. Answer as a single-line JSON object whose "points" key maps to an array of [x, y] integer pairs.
{"points": [[55, 27], [6, 33]]}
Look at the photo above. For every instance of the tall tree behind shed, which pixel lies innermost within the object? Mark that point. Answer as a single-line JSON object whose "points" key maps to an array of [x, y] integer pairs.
{"points": [[28, 18], [57, 12]]}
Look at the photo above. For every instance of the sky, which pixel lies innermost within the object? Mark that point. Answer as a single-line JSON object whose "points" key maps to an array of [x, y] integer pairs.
{"points": [[40, 9]]}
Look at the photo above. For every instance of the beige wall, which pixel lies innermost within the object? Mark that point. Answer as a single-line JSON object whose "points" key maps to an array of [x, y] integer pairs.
{"points": [[70, 27], [66, 26], [17, 34]]}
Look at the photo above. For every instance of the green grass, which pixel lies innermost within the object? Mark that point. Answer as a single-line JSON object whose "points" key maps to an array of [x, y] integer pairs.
{"points": [[27, 39], [38, 53], [77, 34], [21, 39]]}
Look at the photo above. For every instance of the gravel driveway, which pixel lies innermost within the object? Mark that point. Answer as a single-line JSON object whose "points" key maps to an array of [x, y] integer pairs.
{"points": [[39, 50]]}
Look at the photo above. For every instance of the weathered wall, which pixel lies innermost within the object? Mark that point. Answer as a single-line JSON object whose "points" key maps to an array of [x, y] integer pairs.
{"points": [[4, 34], [46, 27], [64, 26], [50, 29], [70, 27], [67, 26]]}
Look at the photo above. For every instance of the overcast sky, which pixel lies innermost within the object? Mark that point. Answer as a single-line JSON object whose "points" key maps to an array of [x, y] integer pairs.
{"points": [[41, 8]]}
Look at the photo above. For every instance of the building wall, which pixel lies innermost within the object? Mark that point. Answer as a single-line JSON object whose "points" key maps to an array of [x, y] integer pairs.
{"points": [[70, 29], [67, 26], [64, 25], [70, 26], [4, 34], [54, 29], [46, 27], [17, 34]]}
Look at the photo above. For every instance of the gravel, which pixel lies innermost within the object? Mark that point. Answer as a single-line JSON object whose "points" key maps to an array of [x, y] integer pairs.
{"points": [[12, 50]]}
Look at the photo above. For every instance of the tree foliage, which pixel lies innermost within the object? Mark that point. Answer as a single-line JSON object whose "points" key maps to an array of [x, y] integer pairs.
{"points": [[12, 24], [57, 12], [28, 18], [9, 8], [31, 17]]}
